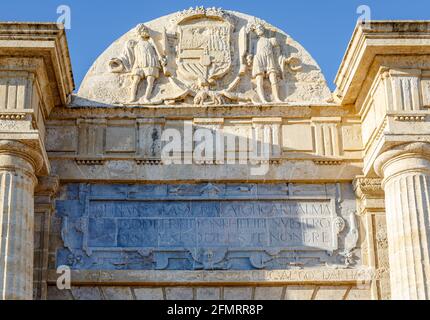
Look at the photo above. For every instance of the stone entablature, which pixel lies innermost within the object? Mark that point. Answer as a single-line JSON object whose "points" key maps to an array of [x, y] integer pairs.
{"points": [[131, 138], [310, 284]]}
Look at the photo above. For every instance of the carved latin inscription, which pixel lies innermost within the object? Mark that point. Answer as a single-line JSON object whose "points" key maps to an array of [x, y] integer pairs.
{"points": [[239, 224], [203, 226]]}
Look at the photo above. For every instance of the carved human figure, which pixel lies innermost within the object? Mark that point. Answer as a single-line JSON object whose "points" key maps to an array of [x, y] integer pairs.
{"points": [[141, 59], [264, 63]]}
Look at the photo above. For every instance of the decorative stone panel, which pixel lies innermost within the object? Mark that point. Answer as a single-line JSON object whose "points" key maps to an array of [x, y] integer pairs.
{"points": [[207, 226]]}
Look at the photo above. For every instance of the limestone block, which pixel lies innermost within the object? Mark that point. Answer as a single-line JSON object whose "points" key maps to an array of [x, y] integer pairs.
{"points": [[179, 293], [237, 293], [268, 293], [62, 138], [406, 89], [425, 89], [13, 90], [297, 137], [358, 294], [55, 294], [149, 293], [299, 292], [237, 137], [117, 293], [149, 140], [86, 293], [120, 139], [326, 137], [207, 293], [331, 293], [180, 279], [92, 136], [351, 137], [369, 124]]}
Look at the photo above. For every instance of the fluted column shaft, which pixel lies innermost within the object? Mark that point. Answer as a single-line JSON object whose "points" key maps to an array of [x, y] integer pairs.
{"points": [[406, 172], [17, 183]]}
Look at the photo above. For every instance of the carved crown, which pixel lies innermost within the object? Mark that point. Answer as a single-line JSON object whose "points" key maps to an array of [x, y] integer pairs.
{"points": [[192, 13]]}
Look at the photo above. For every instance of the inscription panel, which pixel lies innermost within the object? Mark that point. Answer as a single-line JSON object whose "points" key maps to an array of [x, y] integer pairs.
{"points": [[293, 224], [205, 226]]}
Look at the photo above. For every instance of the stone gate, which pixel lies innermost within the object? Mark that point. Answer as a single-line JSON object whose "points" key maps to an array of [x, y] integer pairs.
{"points": [[204, 157]]}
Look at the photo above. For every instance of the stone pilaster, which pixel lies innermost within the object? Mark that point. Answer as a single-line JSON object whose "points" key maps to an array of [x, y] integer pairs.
{"points": [[371, 208], [44, 206], [18, 164], [406, 172]]}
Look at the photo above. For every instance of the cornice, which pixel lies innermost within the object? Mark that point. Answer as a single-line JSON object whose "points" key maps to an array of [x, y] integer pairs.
{"points": [[374, 39]]}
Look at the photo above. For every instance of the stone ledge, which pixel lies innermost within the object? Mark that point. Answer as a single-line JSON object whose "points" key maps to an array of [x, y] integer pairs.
{"points": [[236, 277]]}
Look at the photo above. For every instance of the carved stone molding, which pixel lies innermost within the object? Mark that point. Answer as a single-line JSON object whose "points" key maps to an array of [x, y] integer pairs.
{"points": [[47, 186], [368, 187], [152, 162], [12, 116], [327, 162], [410, 118], [90, 162]]}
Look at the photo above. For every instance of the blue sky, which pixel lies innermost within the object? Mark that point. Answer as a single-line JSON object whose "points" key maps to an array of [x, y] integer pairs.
{"points": [[322, 27]]}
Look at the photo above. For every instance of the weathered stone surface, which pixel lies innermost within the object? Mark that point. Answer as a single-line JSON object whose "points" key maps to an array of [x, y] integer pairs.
{"points": [[117, 293], [208, 293], [330, 293], [269, 293], [148, 293], [237, 293], [56, 294], [179, 293], [358, 294], [213, 221], [86, 293], [18, 180], [299, 293], [213, 278], [406, 172]]}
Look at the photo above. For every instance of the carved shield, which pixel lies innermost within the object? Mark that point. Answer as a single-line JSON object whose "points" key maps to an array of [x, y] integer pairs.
{"points": [[204, 53]]}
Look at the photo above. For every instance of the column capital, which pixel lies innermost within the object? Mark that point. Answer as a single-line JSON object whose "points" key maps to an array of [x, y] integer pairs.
{"points": [[368, 187], [48, 185], [23, 151], [370, 194], [418, 154], [46, 190]]}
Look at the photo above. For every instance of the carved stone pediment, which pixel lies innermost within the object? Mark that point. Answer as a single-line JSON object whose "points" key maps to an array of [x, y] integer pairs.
{"points": [[203, 56]]}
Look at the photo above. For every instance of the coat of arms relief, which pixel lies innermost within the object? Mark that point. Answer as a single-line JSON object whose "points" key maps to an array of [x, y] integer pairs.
{"points": [[203, 56], [206, 58]]}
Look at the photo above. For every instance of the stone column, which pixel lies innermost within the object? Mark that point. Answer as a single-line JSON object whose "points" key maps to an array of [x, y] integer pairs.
{"points": [[18, 164], [406, 173]]}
